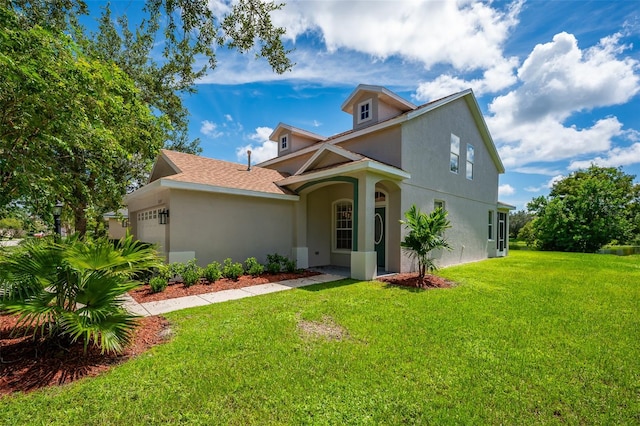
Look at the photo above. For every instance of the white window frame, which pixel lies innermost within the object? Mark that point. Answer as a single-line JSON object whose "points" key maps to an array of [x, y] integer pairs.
{"points": [[470, 161], [490, 225], [369, 111], [454, 154], [284, 142], [335, 228]]}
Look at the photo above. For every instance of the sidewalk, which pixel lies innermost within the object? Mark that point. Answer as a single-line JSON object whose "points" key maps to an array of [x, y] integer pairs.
{"points": [[155, 308]]}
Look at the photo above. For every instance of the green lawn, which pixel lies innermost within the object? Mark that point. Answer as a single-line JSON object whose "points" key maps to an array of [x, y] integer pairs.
{"points": [[535, 338]]}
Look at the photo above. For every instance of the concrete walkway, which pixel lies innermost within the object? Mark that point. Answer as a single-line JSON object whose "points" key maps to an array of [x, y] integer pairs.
{"points": [[163, 306]]}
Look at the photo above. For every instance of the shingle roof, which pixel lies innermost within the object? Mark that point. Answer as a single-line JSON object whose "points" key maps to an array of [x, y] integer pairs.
{"points": [[208, 171]]}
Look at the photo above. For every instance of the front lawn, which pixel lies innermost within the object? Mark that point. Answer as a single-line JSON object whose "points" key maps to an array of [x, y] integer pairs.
{"points": [[534, 338]]}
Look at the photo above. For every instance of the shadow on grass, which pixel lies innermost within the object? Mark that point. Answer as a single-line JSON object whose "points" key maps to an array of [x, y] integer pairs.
{"points": [[332, 284], [389, 286]]}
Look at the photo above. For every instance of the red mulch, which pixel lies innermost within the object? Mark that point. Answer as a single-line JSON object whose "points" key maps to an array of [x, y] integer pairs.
{"points": [[143, 293], [411, 280], [27, 364]]}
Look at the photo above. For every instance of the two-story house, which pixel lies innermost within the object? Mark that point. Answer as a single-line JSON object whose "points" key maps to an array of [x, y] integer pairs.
{"points": [[336, 200]]}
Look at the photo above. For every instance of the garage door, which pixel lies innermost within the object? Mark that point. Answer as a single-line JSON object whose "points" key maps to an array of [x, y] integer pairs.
{"points": [[149, 228]]}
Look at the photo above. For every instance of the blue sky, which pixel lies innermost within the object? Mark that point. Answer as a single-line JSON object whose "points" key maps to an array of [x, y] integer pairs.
{"points": [[557, 81]]}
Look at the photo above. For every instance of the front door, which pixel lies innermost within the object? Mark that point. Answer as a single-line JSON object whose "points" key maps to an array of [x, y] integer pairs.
{"points": [[379, 235]]}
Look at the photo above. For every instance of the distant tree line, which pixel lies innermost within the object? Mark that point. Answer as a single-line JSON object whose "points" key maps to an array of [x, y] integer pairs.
{"points": [[583, 212]]}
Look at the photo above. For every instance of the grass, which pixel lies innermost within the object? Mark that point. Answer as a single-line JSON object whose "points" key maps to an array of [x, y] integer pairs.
{"points": [[535, 338]]}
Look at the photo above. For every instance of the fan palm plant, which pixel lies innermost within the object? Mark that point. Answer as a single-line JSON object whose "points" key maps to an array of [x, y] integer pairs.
{"points": [[426, 233], [73, 290]]}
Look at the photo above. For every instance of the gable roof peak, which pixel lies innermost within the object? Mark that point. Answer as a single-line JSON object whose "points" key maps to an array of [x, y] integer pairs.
{"points": [[382, 93]]}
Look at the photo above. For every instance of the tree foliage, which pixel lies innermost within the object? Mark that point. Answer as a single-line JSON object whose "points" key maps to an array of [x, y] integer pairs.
{"points": [[426, 233], [517, 220], [586, 210], [82, 116], [72, 128], [71, 291]]}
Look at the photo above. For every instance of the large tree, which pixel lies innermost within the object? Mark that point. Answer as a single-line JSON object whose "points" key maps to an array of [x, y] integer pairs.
{"points": [[72, 127], [83, 115], [586, 210]]}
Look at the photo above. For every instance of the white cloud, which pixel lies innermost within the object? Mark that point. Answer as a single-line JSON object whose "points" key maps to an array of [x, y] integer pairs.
{"points": [[546, 185], [386, 42], [505, 190], [466, 34], [262, 150], [228, 117], [614, 158], [494, 79], [558, 79], [210, 129]]}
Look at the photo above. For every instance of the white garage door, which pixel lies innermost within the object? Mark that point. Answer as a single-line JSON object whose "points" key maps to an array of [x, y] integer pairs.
{"points": [[149, 228]]}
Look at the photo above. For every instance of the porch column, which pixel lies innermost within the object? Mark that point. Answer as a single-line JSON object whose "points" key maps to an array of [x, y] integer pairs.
{"points": [[300, 249], [363, 261]]}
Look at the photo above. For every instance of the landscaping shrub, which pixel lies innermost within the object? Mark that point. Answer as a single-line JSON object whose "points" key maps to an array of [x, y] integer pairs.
{"points": [[274, 263], [277, 263], [232, 270], [191, 273], [71, 290], [212, 272], [158, 284], [290, 265], [175, 269], [252, 267]]}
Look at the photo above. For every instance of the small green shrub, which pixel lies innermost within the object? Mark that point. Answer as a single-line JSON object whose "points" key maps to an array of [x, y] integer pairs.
{"points": [[174, 270], [277, 263], [212, 272], [252, 266], [158, 284], [190, 276], [290, 265], [232, 270]]}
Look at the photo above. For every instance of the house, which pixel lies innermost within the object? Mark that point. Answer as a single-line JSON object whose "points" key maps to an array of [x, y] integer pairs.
{"points": [[117, 224], [336, 200]]}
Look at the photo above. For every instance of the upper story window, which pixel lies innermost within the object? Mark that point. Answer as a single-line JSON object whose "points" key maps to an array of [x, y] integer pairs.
{"points": [[364, 111], [284, 142], [343, 225], [470, 160], [454, 162]]}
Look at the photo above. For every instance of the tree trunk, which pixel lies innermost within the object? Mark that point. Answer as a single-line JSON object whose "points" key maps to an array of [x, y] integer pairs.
{"points": [[80, 218]]}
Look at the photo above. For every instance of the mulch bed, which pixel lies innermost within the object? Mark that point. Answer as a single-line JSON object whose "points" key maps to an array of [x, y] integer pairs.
{"points": [[28, 364], [144, 294], [411, 280]]}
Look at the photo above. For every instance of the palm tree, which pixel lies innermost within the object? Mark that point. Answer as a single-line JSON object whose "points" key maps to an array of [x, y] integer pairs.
{"points": [[73, 290], [426, 233]]}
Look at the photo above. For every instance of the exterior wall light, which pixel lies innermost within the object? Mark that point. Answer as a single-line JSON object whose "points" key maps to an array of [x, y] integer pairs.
{"points": [[163, 216]]}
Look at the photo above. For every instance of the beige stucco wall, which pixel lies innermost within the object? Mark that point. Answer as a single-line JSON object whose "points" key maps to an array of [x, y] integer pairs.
{"points": [[320, 224], [425, 155], [217, 226], [382, 146], [291, 165], [116, 230]]}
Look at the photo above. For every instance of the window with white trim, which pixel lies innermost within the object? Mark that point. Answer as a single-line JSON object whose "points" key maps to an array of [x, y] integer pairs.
{"points": [[364, 111], [343, 225], [470, 161], [454, 162], [284, 142], [490, 223]]}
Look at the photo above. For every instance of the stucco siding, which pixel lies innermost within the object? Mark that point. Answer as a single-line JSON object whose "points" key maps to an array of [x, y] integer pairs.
{"points": [[383, 146], [217, 226], [320, 224], [425, 155], [426, 149]]}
